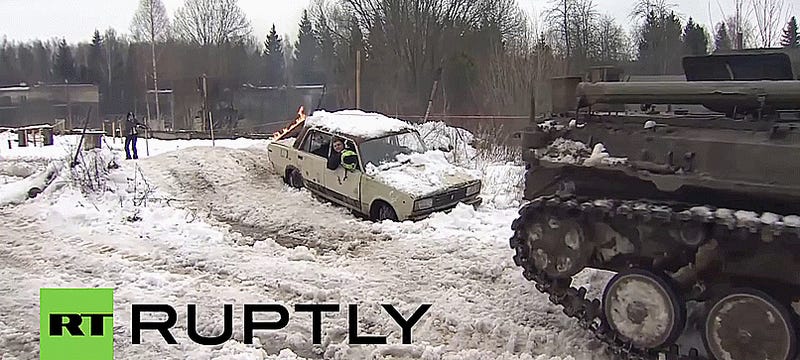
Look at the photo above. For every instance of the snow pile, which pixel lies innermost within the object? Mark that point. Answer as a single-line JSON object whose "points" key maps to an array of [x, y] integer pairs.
{"points": [[19, 191], [503, 185], [500, 168], [437, 135], [421, 174], [577, 153], [550, 125], [599, 154], [357, 123], [566, 151], [158, 147]]}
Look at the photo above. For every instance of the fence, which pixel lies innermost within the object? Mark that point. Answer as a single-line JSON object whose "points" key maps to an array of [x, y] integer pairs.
{"points": [[501, 128]]}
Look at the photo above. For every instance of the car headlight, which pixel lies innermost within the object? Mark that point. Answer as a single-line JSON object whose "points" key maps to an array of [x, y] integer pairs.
{"points": [[423, 204], [473, 189]]}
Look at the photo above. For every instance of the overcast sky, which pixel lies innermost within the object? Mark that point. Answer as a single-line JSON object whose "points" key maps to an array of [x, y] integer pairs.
{"points": [[75, 20]]}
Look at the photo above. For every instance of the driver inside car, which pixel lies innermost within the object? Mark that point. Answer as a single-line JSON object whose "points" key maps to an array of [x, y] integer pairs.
{"points": [[335, 158]]}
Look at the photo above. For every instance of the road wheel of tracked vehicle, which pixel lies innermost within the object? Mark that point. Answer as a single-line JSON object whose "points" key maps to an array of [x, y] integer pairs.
{"points": [[643, 308], [749, 324], [295, 179], [557, 245]]}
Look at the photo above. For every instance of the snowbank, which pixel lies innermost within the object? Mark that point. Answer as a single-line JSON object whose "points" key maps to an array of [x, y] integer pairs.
{"points": [[357, 123], [499, 168], [503, 185], [64, 146]]}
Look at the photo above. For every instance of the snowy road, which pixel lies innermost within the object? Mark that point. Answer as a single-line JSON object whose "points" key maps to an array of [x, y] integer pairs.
{"points": [[243, 237]]}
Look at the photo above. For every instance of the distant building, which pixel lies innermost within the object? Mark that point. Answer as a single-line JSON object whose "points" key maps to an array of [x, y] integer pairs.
{"points": [[166, 106], [26, 105], [266, 108]]}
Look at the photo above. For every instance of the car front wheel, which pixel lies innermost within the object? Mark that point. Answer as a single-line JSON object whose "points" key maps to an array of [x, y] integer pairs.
{"points": [[383, 212]]}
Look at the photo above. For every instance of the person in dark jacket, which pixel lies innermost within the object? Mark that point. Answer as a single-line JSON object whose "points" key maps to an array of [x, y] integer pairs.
{"points": [[132, 126]]}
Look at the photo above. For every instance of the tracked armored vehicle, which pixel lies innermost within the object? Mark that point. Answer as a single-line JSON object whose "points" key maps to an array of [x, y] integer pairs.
{"points": [[686, 193]]}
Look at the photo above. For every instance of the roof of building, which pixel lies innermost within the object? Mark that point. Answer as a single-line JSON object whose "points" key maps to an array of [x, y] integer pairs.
{"points": [[15, 88]]}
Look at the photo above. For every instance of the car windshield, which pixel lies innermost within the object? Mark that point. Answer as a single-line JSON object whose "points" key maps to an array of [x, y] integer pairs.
{"points": [[385, 149]]}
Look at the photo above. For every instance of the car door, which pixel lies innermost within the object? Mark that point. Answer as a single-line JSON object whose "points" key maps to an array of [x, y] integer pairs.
{"points": [[345, 185], [313, 159]]}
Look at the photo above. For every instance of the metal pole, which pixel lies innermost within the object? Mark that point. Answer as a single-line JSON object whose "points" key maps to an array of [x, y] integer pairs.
{"points": [[211, 123], [147, 119], [205, 98], [69, 103]]}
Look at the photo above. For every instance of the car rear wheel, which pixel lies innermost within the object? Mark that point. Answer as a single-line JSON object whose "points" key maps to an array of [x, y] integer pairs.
{"points": [[295, 179]]}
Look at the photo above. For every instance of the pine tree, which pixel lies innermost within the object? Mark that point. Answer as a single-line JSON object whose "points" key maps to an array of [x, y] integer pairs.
{"points": [[273, 53], [327, 47], [660, 44], [306, 53], [791, 34], [27, 63], [8, 72], [64, 64], [43, 57], [695, 40], [722, 41], [96, 58]]}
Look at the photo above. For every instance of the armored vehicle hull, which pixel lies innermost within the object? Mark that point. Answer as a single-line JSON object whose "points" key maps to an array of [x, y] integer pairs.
{"points": [[696, 214]]}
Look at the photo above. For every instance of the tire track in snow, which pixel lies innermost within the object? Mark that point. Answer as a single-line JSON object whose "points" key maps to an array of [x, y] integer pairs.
{"points": [[134, 270], [237, 188]]}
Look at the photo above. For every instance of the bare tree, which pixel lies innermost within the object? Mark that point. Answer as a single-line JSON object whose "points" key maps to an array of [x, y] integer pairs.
{"points": [[574, 26], [558, 18], [644, 7], [769, 16], [212, 22], [611, 41], [151, 22]]}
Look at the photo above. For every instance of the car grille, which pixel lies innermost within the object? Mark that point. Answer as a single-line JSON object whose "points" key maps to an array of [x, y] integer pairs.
{"points": [[449, 197]]}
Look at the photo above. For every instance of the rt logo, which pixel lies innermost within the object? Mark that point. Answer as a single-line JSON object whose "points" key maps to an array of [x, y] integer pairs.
{"points": [[76, 324]]}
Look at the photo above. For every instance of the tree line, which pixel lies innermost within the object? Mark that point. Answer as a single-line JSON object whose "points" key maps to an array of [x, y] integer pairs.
{"points": [[483, 55]]}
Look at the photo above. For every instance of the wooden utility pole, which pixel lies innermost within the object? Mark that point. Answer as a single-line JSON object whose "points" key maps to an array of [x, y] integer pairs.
{"points": [[358, 79], [433, 93], [153, 49]]}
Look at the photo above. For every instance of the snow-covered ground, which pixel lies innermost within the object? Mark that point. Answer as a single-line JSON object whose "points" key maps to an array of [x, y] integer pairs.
{"points": [[211, 225]]}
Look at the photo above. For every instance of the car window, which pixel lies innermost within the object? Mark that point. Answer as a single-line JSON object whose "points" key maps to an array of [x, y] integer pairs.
{"points": [[385, 149], [317, 143]]}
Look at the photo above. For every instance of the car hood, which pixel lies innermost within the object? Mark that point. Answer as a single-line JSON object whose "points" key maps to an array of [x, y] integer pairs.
{"points": [[420, 175]]}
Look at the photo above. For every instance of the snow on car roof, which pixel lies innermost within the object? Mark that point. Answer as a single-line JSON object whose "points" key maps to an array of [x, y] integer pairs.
{"points": [[357, 123]]}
